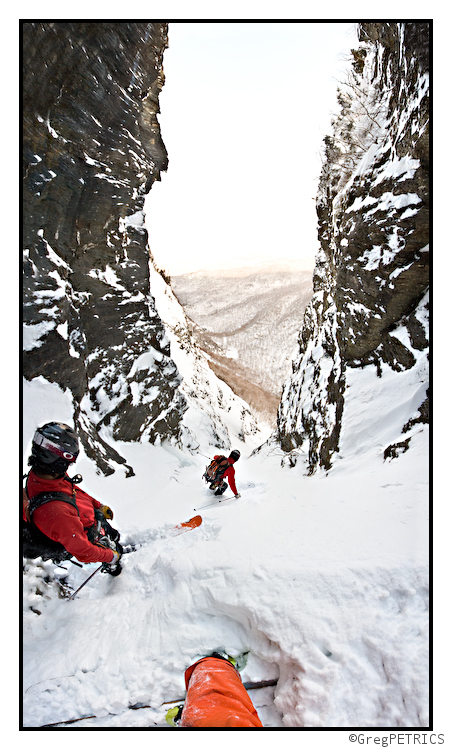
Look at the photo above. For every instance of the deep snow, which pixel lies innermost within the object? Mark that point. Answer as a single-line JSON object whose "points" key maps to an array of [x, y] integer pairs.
{"points": [[323, 579]]}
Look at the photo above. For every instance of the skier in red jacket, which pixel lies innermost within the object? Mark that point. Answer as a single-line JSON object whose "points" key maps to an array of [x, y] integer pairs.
{"points": [[59, 509], [229, 474]]}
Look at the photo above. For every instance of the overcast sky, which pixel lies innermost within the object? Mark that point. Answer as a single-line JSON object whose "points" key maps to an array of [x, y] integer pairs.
{"points": [[244, 111]]}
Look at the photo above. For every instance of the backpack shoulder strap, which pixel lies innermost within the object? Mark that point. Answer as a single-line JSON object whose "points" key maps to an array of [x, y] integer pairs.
{"points": [[47, 497]]}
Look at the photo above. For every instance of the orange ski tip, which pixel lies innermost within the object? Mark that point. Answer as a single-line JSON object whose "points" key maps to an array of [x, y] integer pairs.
{"points": [[192, 523]]}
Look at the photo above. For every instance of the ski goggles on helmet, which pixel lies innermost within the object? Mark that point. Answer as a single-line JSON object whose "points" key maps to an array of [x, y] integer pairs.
{"points": [[48, 445]]}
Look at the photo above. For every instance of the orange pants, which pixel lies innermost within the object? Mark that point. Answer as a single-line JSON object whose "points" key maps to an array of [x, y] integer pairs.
{"points": [[216, 697]]}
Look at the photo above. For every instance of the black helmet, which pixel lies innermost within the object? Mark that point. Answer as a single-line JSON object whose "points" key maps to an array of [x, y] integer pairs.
{"points": [[54, 447], [235, 454]]}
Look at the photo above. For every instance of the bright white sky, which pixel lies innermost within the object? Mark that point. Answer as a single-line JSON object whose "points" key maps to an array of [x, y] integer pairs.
{"points": [[244, 111]]}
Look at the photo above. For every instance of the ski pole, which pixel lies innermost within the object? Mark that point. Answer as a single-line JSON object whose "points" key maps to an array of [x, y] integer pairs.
{"points": [[215, 502], [85, 582]]}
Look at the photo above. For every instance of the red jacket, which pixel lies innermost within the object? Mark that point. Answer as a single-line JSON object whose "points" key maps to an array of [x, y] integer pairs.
{"points": [[60, 521], [229, 474], [216, 697]]}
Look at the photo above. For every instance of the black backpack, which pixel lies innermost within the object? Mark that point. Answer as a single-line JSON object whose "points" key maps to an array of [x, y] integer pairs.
{"points": [[215, 470], [34, 542]]}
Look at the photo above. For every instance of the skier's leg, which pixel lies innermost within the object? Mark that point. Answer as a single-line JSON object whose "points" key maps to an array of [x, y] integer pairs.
{"points": [[216, 697]]}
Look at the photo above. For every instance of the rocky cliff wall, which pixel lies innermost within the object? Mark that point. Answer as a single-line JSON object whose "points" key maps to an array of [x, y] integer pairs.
{"points": [[92, 150], [370, 303]]}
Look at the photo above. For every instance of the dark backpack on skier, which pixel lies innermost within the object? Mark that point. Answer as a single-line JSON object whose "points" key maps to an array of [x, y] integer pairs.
{"points": [[36, 544], [215, 470]]}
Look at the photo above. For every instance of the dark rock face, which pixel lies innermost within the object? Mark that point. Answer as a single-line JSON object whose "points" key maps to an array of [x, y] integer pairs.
{"points": [[372, 272], [92, 150]]}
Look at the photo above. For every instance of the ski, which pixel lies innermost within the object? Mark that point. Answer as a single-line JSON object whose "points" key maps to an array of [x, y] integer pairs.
{"points": [[138, 706], [192, 523], [215, 502]]}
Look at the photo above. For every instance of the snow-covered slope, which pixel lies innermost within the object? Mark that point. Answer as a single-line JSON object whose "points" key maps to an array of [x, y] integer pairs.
{"points": [[215, 416], [323, 579]]}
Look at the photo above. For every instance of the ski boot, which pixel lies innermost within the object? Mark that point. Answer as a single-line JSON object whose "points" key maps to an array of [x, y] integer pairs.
{"points": [[239, 662], [173, 715]]}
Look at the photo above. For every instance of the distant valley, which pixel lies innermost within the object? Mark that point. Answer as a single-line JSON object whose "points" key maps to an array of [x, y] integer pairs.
{"points": [[247, 321]]}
